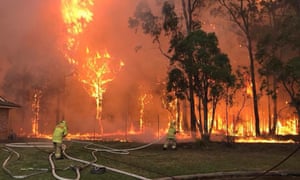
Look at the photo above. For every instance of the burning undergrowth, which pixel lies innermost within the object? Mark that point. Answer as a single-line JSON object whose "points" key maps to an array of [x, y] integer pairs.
{"points": [[75, 67]]}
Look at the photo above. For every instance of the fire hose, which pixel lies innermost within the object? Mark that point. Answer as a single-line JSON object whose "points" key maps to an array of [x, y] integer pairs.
{"points": [[77, 169], [40, 170], [110, 150], [59, 177], [12, 152], [106, 167], [114, 150], [278, 164]]}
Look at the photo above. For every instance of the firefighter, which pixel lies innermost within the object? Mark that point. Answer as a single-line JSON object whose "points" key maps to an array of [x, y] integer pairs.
{"points": [[171, 138], [11, 135], [60, 131]]}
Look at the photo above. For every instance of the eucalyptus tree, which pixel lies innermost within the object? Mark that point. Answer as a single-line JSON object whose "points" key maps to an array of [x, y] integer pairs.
{"points": [[290, 78], [176, 87], [208, 73], [169, 25], [270, 53], [197, 66], [245, 15], [277, 42], [291, 24], [291, 40]]}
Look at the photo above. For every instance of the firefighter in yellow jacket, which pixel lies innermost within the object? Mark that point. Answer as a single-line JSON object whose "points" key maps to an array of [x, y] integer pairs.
{"points": [[171, 138], [60, 131]]}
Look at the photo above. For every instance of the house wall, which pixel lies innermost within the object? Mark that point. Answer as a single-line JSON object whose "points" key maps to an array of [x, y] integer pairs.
{"points": [[3, 123]]}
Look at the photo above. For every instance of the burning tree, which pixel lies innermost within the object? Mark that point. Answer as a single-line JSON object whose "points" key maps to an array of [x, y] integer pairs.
{"points": [[36, 111], [197, 67], [244, 14], [207, 72], [290, 79], [93, 69], [176, 88], [96, 73], [170, 24], [276, 35]]}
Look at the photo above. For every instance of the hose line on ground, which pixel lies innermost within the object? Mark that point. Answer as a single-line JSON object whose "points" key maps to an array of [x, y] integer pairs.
{"points": [[102, 166], [41, 170], [114, 150], [77, 169], [57, 176], [11, 153], [278, 164]]}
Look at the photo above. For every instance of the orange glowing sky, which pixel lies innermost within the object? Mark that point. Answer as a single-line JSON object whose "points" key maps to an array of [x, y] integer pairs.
{"points": [[33, 30], [32, 36]]}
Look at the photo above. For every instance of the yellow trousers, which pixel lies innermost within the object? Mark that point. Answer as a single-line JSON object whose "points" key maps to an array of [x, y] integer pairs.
{"points": [[58, 150], [170, 141]]}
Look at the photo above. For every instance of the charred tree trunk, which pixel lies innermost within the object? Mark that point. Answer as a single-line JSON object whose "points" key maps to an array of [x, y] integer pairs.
{"points": [[178, 112], [184, 115], [200, 117], [205, 114], [242, 15], [275, 108], [270, 127], [298, 120], [253, 82], [214, 104], [192, 105]]}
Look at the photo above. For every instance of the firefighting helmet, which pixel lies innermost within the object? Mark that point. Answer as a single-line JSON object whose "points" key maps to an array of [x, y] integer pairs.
{"points": [[173, 123]]}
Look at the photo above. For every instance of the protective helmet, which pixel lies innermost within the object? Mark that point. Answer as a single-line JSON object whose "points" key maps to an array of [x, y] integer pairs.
{"points": [[173, 123]]}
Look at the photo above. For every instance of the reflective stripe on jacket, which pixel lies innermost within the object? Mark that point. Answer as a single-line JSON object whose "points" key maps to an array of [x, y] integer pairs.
{"points": [[60, 131]]}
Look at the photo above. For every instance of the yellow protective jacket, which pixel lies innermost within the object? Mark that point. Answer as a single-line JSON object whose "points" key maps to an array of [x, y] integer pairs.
{"points": [[60, 132], [171, 132]]}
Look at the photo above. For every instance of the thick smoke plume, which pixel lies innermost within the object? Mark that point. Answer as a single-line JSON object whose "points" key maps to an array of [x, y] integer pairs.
{"points": [[32, 39], [31, 43]]}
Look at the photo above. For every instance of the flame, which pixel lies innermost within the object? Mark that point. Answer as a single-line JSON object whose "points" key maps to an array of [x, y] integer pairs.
{"points": [[171, 106], [131, 130], [244, 134], [261, 140], [249, 89], [288, 126], [142, 104], [76, 15], [96, 73], [35, 106], [93, 69], [143, 100]]}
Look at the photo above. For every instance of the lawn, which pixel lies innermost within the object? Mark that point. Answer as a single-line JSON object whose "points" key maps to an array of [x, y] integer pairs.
{"points": [[153, 163]]}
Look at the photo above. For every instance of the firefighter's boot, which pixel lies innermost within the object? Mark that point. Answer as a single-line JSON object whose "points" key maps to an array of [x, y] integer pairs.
{"points": [[165, 146]]}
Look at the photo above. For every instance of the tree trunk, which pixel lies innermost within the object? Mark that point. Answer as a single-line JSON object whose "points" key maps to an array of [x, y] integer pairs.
{"points": [[192, 106], [205, 112], [270, 127], [184, 115], [275, 115], [214, 107], [253, 82], [178, 113], [298, 123], [200, 117]]}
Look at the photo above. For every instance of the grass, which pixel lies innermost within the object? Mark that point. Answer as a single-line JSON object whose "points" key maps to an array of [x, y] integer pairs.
{"points": [[152, 162]]}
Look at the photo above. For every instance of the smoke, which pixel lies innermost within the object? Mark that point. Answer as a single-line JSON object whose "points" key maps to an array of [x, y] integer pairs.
{"points": [[29, 53], [32, 37]]}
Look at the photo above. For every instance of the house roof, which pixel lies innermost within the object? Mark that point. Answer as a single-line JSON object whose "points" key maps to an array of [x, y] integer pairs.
{"points": [[5, 104]]}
